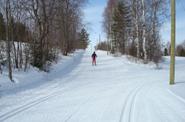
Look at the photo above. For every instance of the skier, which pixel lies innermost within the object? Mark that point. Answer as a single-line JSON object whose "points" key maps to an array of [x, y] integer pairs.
{"points": [[94, 58]]}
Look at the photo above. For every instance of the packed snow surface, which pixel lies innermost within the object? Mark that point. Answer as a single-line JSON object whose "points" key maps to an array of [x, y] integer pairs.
{"points": [[116, 90]]}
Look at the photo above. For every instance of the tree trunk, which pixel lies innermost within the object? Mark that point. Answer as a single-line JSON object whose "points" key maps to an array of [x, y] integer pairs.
{"points": [[8, 39], [144, 32]]}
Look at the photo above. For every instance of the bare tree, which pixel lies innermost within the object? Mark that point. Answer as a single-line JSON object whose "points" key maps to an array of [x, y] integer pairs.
{"points": [[142, 37], [8, 35], [37, 30]]}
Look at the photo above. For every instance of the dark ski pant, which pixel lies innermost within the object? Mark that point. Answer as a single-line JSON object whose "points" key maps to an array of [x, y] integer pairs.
{"points": [[93, 61]]}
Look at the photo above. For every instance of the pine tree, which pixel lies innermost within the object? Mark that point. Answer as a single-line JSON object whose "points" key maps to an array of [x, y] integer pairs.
{"points": [[84, 38], [133, 27], [2, 28], [120, 25], [165, 52]]}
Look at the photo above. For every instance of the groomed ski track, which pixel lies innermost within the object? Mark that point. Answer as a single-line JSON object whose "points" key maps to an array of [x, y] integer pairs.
{"points": [[115, 90]]}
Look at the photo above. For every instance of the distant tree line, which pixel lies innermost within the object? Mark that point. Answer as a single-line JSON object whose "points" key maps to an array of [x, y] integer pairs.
{"points": [[36, 31], [103, 46], [132, 27], [180, 49]]}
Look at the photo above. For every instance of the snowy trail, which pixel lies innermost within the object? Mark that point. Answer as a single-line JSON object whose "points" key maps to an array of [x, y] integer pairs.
{"points": [[115, 90]]}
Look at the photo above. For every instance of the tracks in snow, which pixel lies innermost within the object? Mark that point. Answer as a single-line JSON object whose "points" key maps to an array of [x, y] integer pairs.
{"points": [[39, 100], [25, 107], [133, 96], [100, 101], [128, 106]]}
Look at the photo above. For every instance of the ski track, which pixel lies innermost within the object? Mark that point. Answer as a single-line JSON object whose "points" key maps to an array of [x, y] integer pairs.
{"points": [[37, 101], [128, 107], [74, 112], [32, 103], [128, 98]]}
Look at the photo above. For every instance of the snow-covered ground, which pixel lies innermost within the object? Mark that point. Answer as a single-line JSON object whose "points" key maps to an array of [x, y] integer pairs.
{"points": [[116, 90]]}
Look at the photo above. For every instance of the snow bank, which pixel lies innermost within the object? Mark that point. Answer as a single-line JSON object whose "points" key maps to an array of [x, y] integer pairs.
{"points": [[34, 78], [179, 87]]}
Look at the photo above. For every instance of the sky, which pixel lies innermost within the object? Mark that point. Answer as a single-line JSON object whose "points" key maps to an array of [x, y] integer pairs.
{"points": [[180, 24], [93, 18]]}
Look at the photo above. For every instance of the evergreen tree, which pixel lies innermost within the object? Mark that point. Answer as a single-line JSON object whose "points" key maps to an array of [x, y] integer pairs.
{"points": [[103, 46], [120, 26], [180, 51], [133, 27], [20, 32], [165, 52], [2, 28], [84, 39]]}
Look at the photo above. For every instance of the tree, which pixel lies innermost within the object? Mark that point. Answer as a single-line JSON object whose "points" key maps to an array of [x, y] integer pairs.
{"points": [[133, 27], [181, 49], [37, 30], [120, 27], [8, 37], [103, 46], [144, 30], [2, 27], [108, 20], [84, 39], [166, 52], [2, 37]]}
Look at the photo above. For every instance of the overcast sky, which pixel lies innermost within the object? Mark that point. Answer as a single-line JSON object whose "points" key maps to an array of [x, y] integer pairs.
{"points": [[93, 14]]}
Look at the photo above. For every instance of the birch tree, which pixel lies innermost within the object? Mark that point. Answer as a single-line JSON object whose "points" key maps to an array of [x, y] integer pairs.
{"points": [[144, 30], [142, 39], [8, 37]]}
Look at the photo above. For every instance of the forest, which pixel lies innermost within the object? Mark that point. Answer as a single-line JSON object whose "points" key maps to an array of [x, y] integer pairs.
{"points": [[35, 32], [133, 28]]}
